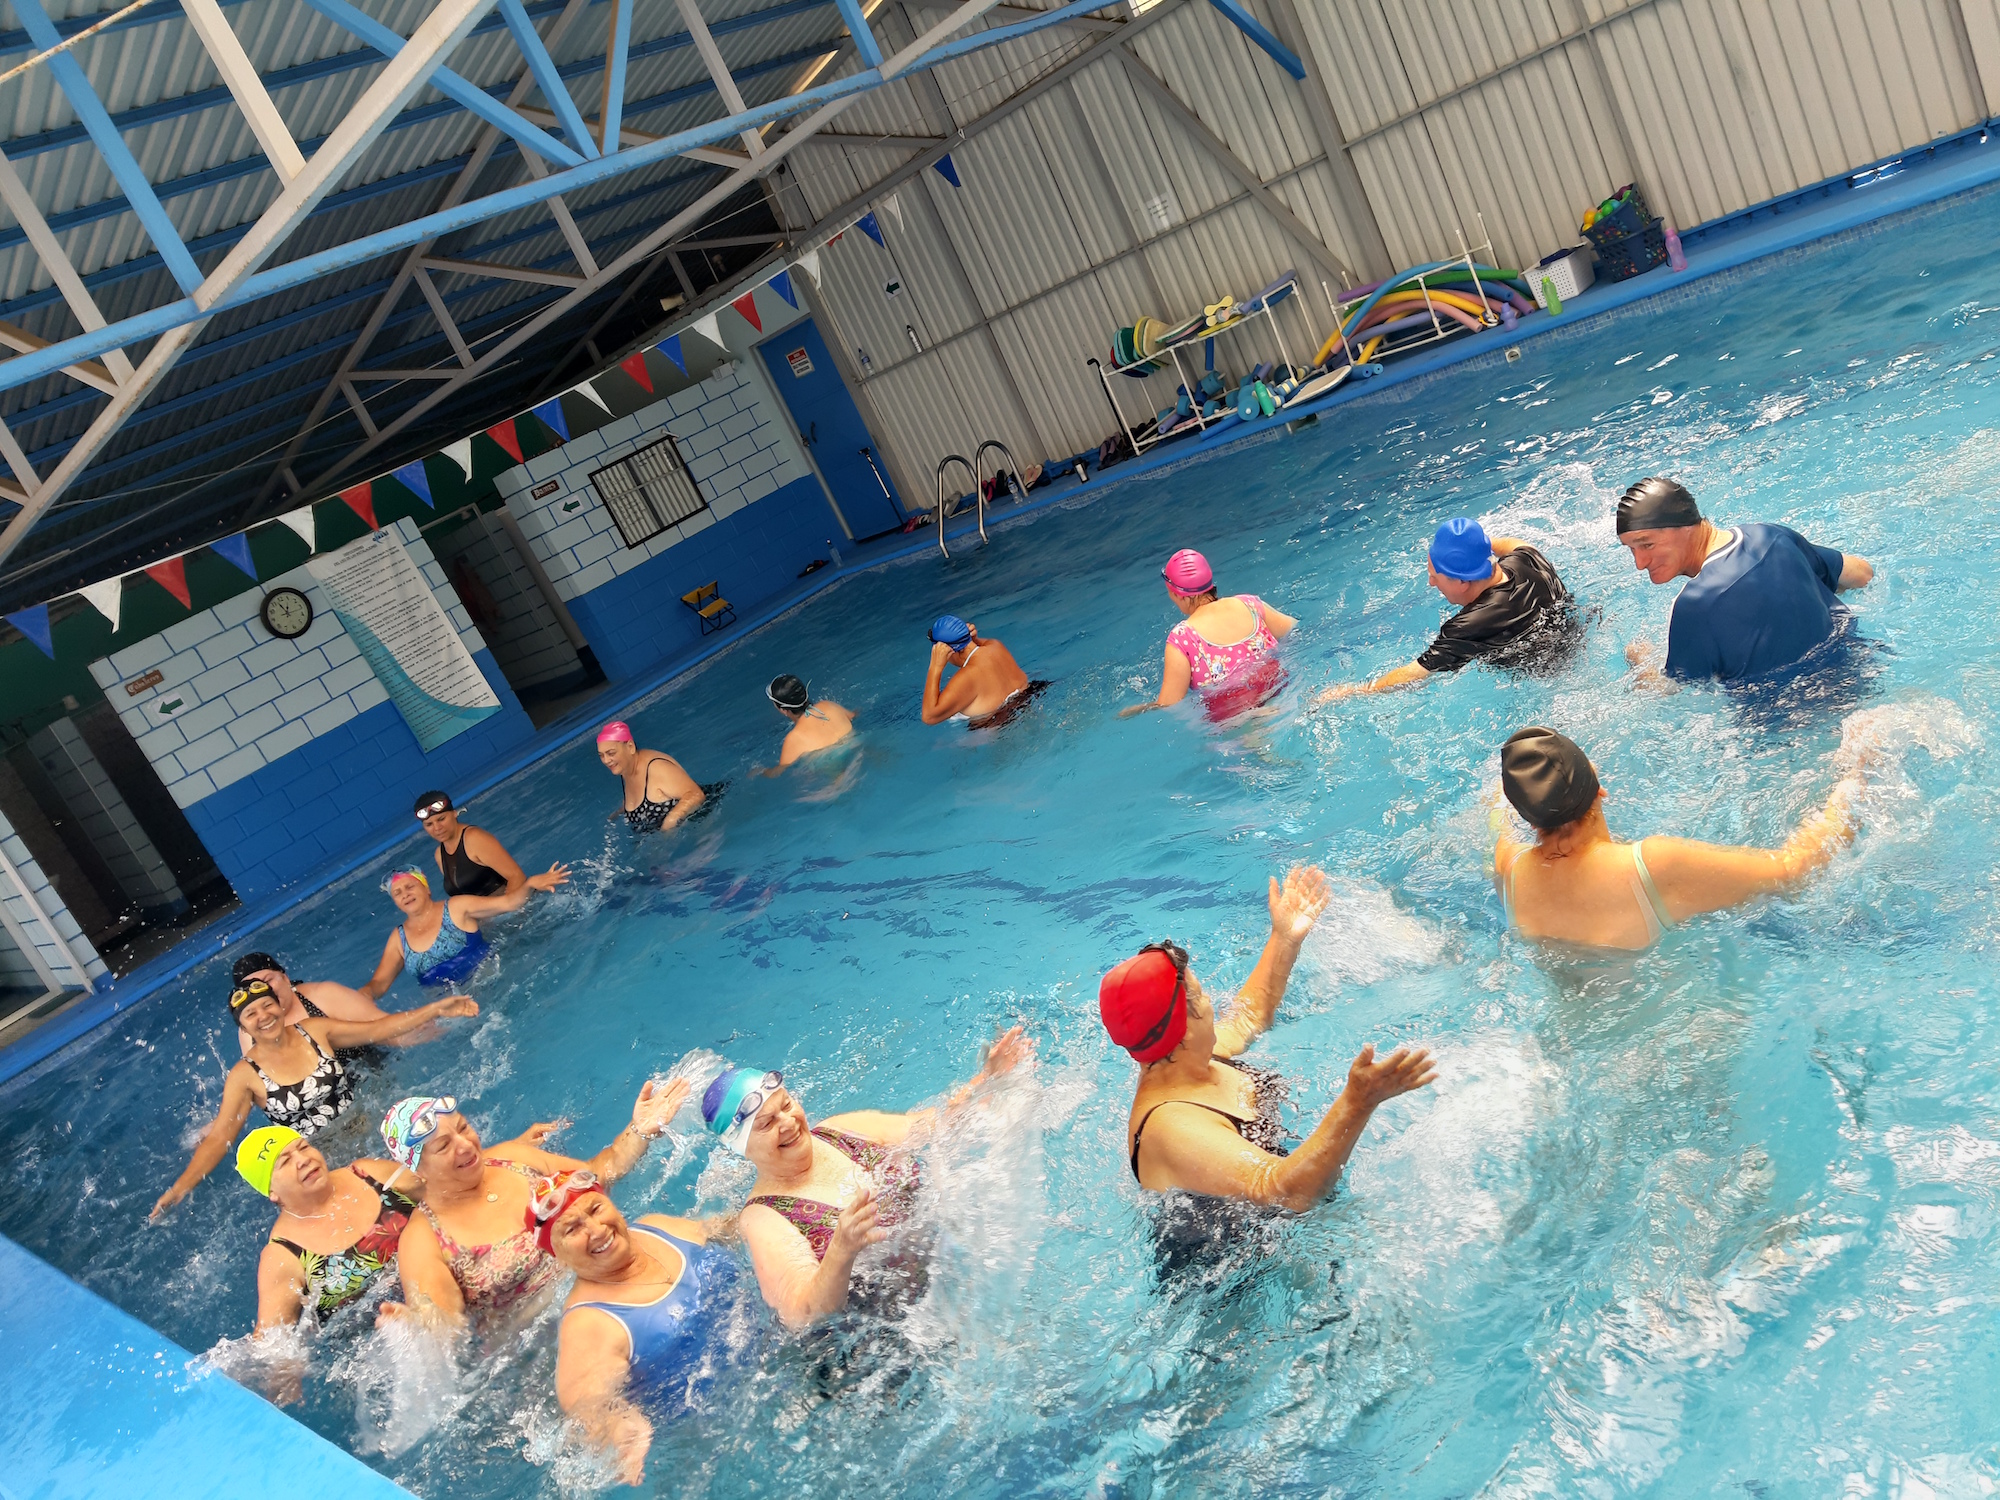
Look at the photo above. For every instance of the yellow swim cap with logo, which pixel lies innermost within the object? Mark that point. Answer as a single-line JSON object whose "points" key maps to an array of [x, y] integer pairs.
{"points": [[258, 1154]]}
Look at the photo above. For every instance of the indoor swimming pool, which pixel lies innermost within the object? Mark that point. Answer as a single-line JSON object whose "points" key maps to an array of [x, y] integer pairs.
{"points": [[1717, 1218]]}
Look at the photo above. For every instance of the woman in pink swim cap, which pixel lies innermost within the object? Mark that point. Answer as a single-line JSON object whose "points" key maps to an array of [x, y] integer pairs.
{"points": [[1225, 648], [659, 793]]}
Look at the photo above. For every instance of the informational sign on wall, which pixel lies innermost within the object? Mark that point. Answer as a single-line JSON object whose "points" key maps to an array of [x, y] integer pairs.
{"points": [[388, 610], [801, 363]]}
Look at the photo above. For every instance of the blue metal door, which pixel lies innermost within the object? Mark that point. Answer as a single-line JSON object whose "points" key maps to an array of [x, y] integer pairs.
{"points": [[831, 426]]}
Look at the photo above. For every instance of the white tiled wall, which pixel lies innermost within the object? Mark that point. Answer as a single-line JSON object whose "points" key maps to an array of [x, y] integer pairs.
{"points": [[244, 697], [736, 444], [50, 900]]}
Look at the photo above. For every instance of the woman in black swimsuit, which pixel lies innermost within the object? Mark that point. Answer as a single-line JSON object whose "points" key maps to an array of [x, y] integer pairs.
{"points": [[659, 795], [471, 861], [293, 1073], [1205, 1123]]}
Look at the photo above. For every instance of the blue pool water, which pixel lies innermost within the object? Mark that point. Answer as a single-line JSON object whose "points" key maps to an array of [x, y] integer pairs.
{"points": [[1716, 1219]]}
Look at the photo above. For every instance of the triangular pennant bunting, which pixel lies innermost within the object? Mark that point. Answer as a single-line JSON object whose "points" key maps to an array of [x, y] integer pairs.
{"points": [[550, 413], [709, 326], [670, 346], [782, 285], [589, 393], [635, 366], [361, 500], [33, 622], [237, 550], [809, 263], [947, 170], [105, 598], [895, 207], [413, 478], [504, 434], [460, 453], [171, 575], [301, 521], [747, 305], [867, 225]]}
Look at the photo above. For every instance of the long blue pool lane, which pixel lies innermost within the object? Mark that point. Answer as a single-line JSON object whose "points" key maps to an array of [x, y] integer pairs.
{"points": [[1719, 1217]]}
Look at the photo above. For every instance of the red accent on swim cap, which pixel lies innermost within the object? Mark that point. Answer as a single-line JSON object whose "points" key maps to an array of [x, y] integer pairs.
{"points": [[1144, 1006]]}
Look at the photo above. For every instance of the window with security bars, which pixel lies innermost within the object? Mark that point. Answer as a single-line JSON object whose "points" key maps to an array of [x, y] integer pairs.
{"points": [[648, 491]]}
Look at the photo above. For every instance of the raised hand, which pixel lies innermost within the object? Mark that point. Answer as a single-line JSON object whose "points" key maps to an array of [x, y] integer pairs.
{"points": [[558, 874], [1009, 1051], [940, 654], [1371, 1082], [656, 1106], [1296, 905], [857, 1228], [537, 1134]]}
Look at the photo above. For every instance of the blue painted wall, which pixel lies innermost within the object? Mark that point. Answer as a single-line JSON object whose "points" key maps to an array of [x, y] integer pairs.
{"points": [[281, 823], [637, 620]]}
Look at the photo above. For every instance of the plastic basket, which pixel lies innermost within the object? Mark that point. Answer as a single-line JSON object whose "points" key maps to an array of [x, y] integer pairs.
{"points": [[1569, 271], [1633, 253], [1629, 218]]}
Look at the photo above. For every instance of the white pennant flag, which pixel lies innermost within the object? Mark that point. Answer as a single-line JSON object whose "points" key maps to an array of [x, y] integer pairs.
{"points": [[301, 521], [105, 597], [460, 453], [589, 391], [710, 328], [894, 208], [809, 263]]}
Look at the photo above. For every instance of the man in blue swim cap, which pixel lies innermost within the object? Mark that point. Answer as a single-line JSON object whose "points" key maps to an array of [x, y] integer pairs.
{"points": [[1513, 613], [1759, 597], [989, 685]]}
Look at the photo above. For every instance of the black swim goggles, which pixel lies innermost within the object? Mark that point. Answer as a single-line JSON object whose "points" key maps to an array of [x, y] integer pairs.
{"points": [[1178, 957]]}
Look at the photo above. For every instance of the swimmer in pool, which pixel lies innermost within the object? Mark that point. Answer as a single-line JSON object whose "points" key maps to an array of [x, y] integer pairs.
{"points": [[475, 1248], [1513, 609], [1759, 597], [470, 861], [439, 942], [641, 1324], [816, 724], [659, 795], [293, 1073], [1205, 1123], [1577, 885], [826, 1192], [989, 686], [305, 999], [1225, 649]]}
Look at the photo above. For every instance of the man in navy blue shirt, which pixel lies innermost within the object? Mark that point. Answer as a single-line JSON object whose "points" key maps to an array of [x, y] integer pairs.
{"points": [[1759, 597]]}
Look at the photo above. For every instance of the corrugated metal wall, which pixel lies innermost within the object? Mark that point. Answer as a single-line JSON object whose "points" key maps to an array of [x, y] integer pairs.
{"points": [[1419, 118]]}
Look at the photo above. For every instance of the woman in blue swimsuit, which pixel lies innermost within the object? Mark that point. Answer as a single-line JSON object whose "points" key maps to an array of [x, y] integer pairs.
{"points": [[643, 1323], [439, 941]]}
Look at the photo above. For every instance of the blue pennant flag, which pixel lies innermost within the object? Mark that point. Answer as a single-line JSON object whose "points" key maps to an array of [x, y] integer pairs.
{"points": [[413, 477], [947, 171], [34, 624], [671, 347], [550, 411], [867, 225], [782, 285], [237, 550]]}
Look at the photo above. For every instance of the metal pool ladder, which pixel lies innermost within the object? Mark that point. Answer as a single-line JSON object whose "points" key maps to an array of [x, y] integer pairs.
{"points": [[977, 469]]}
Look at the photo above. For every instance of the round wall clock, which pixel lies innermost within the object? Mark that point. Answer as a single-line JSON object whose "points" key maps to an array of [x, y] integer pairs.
{"points": [[287, 614]]}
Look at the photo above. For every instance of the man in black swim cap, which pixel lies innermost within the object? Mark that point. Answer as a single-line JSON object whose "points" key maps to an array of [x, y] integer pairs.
{"points": [[814, 725], [1760, 597]]}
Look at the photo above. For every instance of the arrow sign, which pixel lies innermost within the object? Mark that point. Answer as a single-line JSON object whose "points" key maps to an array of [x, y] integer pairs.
{"points": [[570, 505], [167, 709]]}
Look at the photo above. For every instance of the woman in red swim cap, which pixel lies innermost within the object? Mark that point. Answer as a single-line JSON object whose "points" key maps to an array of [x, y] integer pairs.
{"points": [[1205, 1123]]}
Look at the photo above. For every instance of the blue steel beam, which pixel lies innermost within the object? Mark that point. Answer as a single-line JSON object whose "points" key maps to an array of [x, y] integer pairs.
{"points": [[448, 83], [91, 113], [616, 55], [543, 67], [26, 367], [1240, 17], [857, 27]]}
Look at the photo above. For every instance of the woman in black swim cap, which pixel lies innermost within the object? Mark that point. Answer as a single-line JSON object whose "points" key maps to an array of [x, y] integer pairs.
{"points": [[1576, 884], [814, 725]]}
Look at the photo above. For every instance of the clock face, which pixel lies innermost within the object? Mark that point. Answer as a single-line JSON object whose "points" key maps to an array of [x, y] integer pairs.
{"points": [[287, 613]]}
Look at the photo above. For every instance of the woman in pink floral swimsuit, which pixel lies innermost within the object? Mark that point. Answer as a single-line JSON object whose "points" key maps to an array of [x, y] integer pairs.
{"points": [[1226, 649]]}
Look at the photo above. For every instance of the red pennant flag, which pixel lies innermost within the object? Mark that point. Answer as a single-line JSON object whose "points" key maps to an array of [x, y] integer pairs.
{"points": [[171, 575], [635, 366], [504, 434], [747, 305], [361, 500]]}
